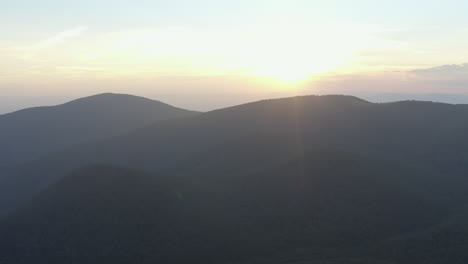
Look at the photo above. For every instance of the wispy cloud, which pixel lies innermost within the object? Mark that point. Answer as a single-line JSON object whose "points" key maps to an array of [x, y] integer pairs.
{"points": [[28, 52], [445, 69], [63, 36], [80, 68], [450, 79]]}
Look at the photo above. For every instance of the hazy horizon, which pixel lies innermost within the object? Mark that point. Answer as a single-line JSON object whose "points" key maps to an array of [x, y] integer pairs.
{"points": [[249, 49], [338, 136], [209, 102]]}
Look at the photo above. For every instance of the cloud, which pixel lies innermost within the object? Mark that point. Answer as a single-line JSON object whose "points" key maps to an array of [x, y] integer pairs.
{"points": [[61, 37], [43, 48], [444, 69], [452, 75], [80, 68], [445, 79]]}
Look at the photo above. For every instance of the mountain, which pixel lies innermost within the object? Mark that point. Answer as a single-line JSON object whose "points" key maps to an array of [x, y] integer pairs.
{"points": [[256, 136], [313, 179], [327, 202], [30, 133]]}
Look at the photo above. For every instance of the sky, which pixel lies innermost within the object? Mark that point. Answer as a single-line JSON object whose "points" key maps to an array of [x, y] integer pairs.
{"points": [[206, 54]]}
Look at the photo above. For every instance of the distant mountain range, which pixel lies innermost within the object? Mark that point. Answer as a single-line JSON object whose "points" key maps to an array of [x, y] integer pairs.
{"points": [[379, 97], [33, 132], [302, 180]]}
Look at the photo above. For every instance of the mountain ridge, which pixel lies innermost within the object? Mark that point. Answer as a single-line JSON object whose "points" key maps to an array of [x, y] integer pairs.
{"points": [[30, 133], [273, 130], [330, 175]]}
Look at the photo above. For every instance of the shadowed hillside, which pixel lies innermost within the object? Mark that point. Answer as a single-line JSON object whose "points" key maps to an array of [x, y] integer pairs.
{"points": [[327, 201], [314, 179], [30, 133], [258, 135]]}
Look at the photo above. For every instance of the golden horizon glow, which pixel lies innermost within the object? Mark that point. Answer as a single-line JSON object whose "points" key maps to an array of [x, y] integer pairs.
{"points": [[263, 58], [226, 45], [289, 54]]}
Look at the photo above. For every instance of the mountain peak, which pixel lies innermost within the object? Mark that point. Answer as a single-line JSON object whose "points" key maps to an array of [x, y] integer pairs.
{"points": [[343, 97], [113, 97], [32, 132]]}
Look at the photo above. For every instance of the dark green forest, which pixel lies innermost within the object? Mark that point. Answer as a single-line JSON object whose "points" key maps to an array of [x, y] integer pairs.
{"points": [[302, 180]]}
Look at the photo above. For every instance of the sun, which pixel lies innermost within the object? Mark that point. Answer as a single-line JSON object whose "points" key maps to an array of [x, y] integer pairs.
{"points": [[288, 74], [297, 71]]}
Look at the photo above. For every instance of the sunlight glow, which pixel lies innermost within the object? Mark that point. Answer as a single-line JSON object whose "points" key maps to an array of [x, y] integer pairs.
{"points": [[291, 71], [290, 54]]}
